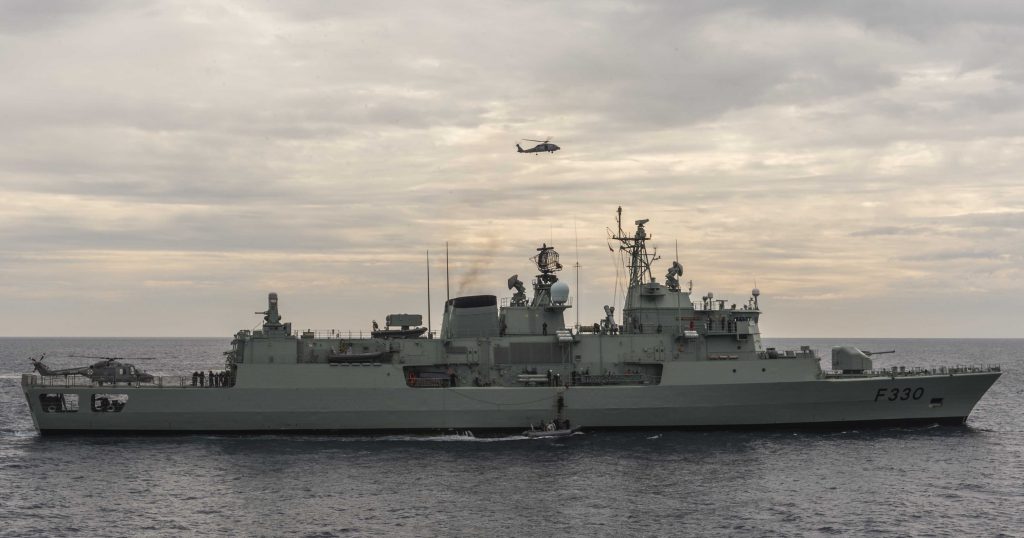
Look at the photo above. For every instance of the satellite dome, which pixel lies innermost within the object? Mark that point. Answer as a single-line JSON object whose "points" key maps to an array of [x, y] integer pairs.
{"points": [[559, 293], [756, 292]]}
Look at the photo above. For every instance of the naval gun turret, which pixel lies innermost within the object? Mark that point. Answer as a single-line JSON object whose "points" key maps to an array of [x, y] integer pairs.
{"points": [[851, 360]]}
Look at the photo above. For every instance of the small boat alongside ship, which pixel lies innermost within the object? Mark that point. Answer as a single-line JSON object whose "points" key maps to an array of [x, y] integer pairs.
{"points": [[553, 430]]}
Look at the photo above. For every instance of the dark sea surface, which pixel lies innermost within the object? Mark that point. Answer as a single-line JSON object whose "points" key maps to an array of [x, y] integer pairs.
{"points": [[921, 481]]}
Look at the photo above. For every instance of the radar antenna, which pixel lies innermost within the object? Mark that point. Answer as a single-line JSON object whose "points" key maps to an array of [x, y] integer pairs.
{"points": [[672, 277], [519, 299], [547, 263], [547, 260]]}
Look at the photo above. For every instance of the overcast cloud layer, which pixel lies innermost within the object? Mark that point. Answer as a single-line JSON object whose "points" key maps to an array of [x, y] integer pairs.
{"points": [[165, 165]]}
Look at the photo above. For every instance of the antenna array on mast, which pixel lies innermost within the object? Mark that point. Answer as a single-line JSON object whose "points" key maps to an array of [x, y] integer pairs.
{"points": [[635, 246]]}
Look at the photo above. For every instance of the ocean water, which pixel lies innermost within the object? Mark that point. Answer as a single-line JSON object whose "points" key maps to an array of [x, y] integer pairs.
{"points": [[922, 481]]}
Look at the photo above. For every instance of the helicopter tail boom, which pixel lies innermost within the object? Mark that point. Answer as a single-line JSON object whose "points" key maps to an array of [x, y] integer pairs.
{"points": [[44, 370], [519, 148], [38, 365]]}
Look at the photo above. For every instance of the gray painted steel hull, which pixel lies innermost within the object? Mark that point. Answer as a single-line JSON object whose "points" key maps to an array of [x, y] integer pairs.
{"points": [[400, 408]]}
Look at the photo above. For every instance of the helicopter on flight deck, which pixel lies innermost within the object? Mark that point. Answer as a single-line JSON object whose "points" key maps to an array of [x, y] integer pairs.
{"points": [[107, 370], [544, 145]]}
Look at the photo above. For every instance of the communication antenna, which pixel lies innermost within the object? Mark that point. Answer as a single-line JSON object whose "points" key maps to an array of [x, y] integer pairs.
{"points": [[679, 299], [430, 329], [620, 261], [447, 281], [575, 231]]}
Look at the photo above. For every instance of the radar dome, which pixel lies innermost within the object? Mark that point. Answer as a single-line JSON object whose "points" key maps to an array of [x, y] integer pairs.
{"points": [[559, 293]]}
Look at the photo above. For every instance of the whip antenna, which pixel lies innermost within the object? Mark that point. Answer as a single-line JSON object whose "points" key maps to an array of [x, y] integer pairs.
{"points": [[430, 330], [576, 232]]}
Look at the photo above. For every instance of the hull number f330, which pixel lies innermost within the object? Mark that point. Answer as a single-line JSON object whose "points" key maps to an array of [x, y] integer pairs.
{"points": [[905, 393]]}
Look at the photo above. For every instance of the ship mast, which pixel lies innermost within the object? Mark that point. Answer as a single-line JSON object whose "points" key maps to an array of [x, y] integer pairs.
{"points": [[635, 246]]}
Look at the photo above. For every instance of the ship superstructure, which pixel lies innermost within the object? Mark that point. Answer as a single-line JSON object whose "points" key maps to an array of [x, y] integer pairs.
{"points": [[671, 362]]}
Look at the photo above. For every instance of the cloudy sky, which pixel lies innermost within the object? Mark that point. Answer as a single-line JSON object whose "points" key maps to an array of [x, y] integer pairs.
{"points": [[165, 165]]}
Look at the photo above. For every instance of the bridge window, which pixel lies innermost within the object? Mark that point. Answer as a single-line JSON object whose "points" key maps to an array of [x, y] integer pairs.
{"points": [[108, 403], [59, 403]]}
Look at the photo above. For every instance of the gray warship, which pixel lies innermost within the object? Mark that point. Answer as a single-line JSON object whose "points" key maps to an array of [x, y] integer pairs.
{"points": [[669, 362]]}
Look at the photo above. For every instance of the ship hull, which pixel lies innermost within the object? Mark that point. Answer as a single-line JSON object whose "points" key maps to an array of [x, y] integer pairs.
{"points": [[819, 403]]}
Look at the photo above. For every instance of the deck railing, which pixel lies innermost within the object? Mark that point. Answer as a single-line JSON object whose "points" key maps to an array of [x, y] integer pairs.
{"points": [[618, 379], [540, 380], [73, 381], [918, 371]]}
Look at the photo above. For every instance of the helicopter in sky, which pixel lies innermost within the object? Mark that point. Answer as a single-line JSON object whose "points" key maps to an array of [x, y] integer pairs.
{"points": [[106, 370], [544, 145]]}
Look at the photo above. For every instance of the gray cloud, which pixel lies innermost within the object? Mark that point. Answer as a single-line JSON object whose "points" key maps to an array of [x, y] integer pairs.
{"points": [[947, 255], [152, 153], [26, 16], [883, 230]]}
